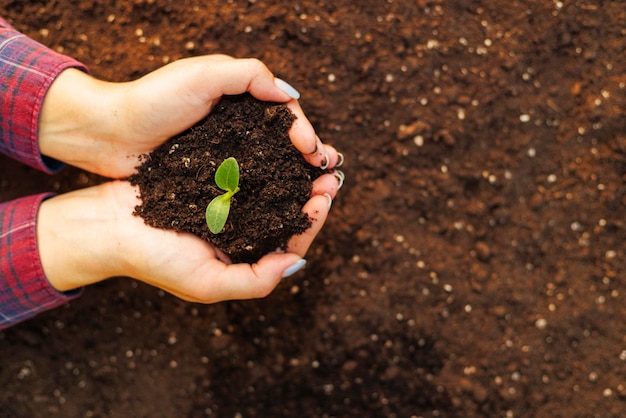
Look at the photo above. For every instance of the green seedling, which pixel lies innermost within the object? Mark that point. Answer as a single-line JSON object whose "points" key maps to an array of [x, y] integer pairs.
{"points": [[227, 179]]}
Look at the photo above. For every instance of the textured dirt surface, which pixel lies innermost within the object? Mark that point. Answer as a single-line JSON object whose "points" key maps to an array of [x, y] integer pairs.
{"points": [[472, 266]]}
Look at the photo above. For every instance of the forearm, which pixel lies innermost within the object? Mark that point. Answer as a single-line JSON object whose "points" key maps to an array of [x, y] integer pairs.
{"points": [[24, 289]]}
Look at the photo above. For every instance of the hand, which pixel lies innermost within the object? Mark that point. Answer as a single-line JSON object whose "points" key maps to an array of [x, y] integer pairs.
{"points": [[104, 127], [89, 235]]}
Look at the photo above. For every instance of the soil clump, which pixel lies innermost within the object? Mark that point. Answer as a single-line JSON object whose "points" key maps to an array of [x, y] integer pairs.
{"points": [[177, 180]]}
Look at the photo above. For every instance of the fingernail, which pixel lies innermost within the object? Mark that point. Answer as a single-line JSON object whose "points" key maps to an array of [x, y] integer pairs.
{"points": [[330, 200], [340, 162], [294, 268], [286, 88], [340, 178], [325, 162]]}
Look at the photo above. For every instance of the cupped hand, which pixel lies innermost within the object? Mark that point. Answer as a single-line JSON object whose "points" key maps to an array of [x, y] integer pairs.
{"points": [[89, 235], [104, 127]]}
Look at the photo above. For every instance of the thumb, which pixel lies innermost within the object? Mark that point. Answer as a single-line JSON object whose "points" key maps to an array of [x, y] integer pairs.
{"points": [[251, 281], [225, 75]]}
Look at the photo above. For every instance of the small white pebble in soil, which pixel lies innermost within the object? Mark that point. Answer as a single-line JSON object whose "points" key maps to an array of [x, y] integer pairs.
{"points": [[541, 323], [576, 226], [331, 78], [524, 118], [531, 152], [551, 178], [608, 392], [469, 370], [432, 44]]}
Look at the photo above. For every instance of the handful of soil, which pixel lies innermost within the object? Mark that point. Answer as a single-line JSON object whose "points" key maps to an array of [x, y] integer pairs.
{"points": [[177, 180]]}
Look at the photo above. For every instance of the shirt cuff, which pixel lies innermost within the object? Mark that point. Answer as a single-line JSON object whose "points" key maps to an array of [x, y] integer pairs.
{"points": [[28, 70], [24, 289]]}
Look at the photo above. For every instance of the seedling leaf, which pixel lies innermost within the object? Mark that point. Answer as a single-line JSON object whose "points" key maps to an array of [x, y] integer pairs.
{"points": [[227, 175], [227, 179], [217, 213]]}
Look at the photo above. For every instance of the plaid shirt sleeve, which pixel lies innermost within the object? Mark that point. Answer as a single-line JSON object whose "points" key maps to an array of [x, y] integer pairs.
{"points": [[27, 69], [24, 288]]}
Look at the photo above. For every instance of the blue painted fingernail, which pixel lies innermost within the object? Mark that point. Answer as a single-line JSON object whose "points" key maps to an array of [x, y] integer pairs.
{"points": [[287, 88], [325, 161], [340, 178], [294, 268], [330, 200], [340, 161]]}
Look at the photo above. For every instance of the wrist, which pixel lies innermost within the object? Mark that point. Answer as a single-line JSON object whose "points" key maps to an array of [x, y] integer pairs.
{"points": [[75, 239], [76, 119]]}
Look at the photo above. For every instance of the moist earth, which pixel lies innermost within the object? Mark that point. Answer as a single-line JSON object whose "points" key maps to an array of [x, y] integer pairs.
{"points": [[472, 265], [177, 180]]}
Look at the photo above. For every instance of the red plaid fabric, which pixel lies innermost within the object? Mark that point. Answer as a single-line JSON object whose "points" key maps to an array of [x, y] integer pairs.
{"points": [[27, 69], [24, 289]]}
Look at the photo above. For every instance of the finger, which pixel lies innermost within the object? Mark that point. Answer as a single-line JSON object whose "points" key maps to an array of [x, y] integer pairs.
{"points": [[328, 184], [317, 208], [332, 158], [304, 138], [242, 281], [302, 133]]}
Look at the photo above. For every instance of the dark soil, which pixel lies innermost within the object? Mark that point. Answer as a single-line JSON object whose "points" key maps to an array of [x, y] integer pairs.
{"points": [[473, 265], [177, 180]]}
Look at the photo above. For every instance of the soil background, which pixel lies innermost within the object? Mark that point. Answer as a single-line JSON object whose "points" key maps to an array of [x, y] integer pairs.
{"points": [[472, 266]]}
